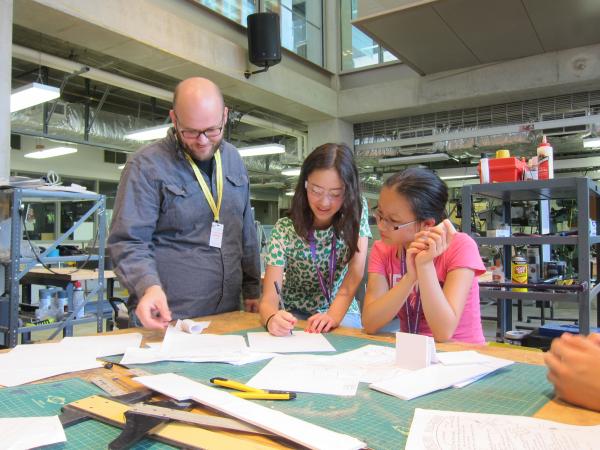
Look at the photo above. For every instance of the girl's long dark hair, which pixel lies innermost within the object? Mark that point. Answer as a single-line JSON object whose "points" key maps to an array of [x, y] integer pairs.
{"points": [[346, 222], [424, 190]]}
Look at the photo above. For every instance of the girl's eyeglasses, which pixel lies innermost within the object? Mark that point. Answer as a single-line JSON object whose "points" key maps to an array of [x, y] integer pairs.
{"points": [[388, 224]]}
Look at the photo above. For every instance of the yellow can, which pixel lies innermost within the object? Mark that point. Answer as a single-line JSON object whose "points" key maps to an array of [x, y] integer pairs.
{"points": [[519, 272]]}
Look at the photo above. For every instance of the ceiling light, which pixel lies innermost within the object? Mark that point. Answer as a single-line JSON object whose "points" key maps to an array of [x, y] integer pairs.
{"points": [[294, 172], [259, 150], [591, 142], [289, 193], [121, 166], [414, 159], [51, 152], [149, 134], [32, 94]]}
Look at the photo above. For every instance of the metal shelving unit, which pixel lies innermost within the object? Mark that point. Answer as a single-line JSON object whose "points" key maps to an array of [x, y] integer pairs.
{"points": [[18, 266], [587, 194]]}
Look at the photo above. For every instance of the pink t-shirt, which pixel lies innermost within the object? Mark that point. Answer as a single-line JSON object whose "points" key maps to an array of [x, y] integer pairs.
{"points": [[462, 253]]}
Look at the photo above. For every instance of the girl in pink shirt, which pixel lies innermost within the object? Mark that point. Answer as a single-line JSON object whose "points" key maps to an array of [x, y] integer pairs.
{"points": [[426, 274]]}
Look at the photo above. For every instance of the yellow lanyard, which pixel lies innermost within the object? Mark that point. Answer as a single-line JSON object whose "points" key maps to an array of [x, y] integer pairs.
{"points": [[207, 193]]}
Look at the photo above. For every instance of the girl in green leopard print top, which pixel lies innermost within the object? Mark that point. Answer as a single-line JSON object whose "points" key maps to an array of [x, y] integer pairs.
{"points": [[322, 247]]}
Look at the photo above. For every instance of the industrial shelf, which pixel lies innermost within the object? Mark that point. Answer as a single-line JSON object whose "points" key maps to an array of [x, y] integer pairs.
{"points": [[17, 267], [587, 195]]}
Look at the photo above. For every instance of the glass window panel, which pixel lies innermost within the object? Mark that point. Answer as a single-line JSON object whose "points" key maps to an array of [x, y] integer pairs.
{"points": [[301, 23], [358, 49], [236, 10]]}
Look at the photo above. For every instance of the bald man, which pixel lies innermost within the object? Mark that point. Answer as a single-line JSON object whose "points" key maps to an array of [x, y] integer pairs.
{"points": [[182, 238]]}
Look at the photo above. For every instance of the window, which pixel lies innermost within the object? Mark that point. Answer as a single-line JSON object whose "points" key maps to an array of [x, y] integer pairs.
{"points": [[358, 49], [301, 23], [236, 10]]}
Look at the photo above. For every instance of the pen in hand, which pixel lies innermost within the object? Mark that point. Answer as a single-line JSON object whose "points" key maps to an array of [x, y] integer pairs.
{"points": [[281, 305]]}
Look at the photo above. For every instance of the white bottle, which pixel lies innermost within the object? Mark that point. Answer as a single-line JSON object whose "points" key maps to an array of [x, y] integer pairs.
{"points": [[484, 169], [545, 155]]}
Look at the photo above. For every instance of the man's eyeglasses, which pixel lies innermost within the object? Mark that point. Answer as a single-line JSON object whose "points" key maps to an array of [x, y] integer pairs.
{"points": [[195, 134], [388, 224], [318, 192]]}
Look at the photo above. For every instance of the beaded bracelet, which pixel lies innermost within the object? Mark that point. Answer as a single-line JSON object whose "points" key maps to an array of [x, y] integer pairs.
{"points": [[267, 322]]}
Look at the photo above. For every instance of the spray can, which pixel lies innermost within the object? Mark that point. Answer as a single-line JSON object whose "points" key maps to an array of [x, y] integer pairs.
{"points": [[545, 155], [519, 272]]}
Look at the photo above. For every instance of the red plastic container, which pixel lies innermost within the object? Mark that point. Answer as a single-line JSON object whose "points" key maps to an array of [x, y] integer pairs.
{"points": [[506, 169]]}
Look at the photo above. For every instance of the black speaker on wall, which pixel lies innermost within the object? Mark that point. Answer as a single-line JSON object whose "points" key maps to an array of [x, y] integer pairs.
{"points": [[264, 40]]}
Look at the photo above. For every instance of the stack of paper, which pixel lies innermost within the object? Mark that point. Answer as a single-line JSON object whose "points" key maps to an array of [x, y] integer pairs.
{"points": [[450, 430], [460, 370], [26, 363], [179, 345], [296, 430]]}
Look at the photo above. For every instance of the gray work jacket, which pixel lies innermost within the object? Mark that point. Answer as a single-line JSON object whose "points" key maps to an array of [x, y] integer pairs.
{"points": [[161, 227]]}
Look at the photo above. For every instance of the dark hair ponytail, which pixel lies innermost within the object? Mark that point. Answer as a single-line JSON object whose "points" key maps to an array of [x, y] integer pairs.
{"points": [[424, 190], [346, 222]]}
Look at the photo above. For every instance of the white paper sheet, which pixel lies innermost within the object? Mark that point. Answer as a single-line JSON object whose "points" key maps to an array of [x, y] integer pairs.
{"points": [[26, 363], [20, 433], [416, 383], [304, 433], [189, 326], [209, 347], [372, 362], [154, 354], [414, 351], [100, 346], [307, 373], [449, 430], [298, 342]]}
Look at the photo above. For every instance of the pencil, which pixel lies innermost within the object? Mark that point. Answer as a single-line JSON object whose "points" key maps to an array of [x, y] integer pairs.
{"points": [[281, 305]]}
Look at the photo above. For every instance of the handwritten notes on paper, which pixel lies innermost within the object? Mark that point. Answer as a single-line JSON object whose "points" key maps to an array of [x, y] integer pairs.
{"points": [[451, 430]]}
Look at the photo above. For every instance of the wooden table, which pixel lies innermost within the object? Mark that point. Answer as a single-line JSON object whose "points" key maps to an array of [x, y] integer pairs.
{"points": [[235, 321]]}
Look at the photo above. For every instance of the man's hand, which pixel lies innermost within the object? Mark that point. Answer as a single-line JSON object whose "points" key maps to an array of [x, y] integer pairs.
{"points": [[153, 310], [251, 305], [574, 365]]}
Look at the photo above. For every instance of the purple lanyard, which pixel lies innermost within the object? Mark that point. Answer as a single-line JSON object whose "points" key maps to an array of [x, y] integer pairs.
{"points": [[332, 263], [417, 301]]}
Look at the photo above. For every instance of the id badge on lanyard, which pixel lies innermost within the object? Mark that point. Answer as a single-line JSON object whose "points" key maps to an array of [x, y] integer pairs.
{"points": [[217, 228]]}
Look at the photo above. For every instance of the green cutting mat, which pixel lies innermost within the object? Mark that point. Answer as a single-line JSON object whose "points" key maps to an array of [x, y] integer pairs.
{"points": [[46, 399], [380, 420]]}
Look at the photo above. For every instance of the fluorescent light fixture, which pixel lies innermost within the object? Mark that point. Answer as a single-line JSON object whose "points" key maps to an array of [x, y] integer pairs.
{"points": [[32, 94], [414, 159], [291, 172], [149, 134], [458, 177], [591, 142], [259, 150], [121, 166], [51, 152], [289, 193]]}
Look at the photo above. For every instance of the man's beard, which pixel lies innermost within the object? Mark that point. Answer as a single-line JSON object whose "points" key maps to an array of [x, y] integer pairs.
{"points": [[190, 151]]}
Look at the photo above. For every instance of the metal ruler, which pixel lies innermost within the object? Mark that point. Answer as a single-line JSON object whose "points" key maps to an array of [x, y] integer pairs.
{"points": [[196, 419], [110, 386]]}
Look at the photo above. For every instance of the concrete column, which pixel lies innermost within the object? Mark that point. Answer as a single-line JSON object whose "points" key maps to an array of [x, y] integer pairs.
{"points": [[334, 130], [6, 17], [314, 32]]}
